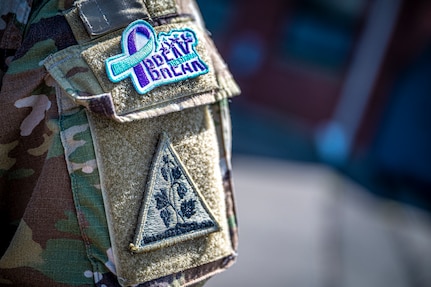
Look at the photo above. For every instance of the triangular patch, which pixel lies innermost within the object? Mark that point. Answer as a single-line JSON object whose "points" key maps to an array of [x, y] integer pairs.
{"points": [[173, 210]]}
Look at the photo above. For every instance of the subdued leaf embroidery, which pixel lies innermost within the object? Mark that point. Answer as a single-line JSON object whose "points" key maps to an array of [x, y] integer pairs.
{"points": [[173, 209], [188, 208], [168, 200], [162, 199], [166, 216], [182, 190]]}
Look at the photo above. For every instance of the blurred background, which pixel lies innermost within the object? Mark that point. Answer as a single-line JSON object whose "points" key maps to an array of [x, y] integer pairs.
{"points": [[331, 140]]}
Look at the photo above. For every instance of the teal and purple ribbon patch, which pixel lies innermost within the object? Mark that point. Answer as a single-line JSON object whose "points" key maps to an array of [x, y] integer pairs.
{"points": [[152, 60]]}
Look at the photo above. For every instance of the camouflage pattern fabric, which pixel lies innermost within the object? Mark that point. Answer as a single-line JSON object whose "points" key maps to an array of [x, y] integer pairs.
{"points": [[52, 236]]}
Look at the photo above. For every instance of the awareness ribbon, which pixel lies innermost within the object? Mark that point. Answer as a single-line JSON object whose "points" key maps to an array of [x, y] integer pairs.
{"points": [[118, 66]]}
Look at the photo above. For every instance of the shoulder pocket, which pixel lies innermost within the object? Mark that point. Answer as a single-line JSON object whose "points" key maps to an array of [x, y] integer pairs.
{"points": [[159, 119]]}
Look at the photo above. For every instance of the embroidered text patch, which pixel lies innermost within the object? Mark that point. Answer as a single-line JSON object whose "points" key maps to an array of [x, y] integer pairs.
{"points": [[151, 60], [173, 209]]}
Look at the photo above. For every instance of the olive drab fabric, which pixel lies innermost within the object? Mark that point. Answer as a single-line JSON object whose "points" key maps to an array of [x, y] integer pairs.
{"points": [[114, 145]]}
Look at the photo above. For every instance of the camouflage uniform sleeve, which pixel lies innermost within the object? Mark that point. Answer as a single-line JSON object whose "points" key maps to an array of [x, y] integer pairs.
{"points": [[52, 209], [43, 246]]}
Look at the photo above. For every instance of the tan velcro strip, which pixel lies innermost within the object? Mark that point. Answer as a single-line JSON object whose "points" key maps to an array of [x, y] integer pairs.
{"points": [[124, 153]]}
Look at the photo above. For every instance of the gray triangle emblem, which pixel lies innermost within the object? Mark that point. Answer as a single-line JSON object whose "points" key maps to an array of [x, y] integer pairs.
{"points": [[173, 210]]}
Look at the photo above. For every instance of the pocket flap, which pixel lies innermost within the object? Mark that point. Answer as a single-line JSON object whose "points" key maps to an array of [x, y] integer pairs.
{"points": [[144, 71]]}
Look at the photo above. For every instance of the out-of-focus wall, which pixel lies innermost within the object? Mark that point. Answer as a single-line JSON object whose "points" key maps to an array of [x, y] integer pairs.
{"points": [[345, 83]]}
